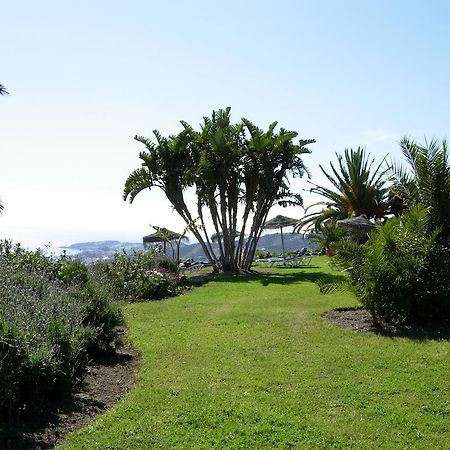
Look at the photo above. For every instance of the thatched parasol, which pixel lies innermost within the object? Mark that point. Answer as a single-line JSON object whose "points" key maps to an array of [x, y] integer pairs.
{"points": [[360, 222], [163, 235], [280, 222], [359, 226]]}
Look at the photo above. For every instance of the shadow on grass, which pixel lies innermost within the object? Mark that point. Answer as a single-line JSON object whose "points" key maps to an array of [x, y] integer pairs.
{"points": [[360, 320], [289, 276], [197, 280], [420, 332]]}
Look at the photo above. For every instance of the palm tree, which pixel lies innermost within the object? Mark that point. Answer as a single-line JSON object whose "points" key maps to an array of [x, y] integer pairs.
{"points": [[238, 171], [359, 188], [425, 181]]}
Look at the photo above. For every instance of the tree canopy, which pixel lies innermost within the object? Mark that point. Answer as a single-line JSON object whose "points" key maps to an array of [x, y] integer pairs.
{"points": [[425, 181], [238, 172], [358, 187]]}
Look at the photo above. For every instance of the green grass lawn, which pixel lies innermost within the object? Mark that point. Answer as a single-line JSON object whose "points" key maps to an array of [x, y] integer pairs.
{"points": [[249, 362]]}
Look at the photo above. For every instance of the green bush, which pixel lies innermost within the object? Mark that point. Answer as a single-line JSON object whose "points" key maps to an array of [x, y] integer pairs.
{"points": [[400, 274], [51, 315], [434, 303], [19, 259], [141, 275], [101, 315], [11, 362], [72, 271], [328, 237], [259, 254]]}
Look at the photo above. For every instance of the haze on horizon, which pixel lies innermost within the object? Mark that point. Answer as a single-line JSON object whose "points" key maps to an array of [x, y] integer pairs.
{"points": [[85, 77]]}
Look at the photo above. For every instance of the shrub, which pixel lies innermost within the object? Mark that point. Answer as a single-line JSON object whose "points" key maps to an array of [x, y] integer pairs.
{"points": [[141, 275], [50, 316], [328, 237], [42, 328], [400, 274], [101, 315], [259, 254], [434, 301], [72, 271], [11, 361]]}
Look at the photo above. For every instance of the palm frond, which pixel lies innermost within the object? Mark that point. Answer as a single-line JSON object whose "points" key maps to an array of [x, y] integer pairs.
{"points": [[358, 186], [139, 180]]}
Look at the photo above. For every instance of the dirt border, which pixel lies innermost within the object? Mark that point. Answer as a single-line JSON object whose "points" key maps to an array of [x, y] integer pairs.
{"points": [[106, 380], [360, 320]]}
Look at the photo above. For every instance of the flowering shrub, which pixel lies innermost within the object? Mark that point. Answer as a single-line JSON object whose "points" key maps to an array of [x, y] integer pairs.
{"points": [[141, 276], [50, 316]]}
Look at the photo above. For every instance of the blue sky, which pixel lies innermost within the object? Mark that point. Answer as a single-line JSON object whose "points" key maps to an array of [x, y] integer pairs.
{"points": [[85, 77]]}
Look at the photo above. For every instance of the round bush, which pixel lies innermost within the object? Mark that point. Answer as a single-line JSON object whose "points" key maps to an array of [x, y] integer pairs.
{"points": [[400, 274], [141, 275]]}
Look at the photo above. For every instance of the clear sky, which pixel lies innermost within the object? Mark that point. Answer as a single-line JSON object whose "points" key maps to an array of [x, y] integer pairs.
{"points": [[86, 76]]}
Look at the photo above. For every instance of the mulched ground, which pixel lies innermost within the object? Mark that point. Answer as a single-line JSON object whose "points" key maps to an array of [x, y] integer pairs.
{"points": [[360, 320], [107, 379]]}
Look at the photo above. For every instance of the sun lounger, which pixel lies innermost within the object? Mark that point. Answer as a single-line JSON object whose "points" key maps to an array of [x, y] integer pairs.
{"points": [[190, 264], [302, 258]]}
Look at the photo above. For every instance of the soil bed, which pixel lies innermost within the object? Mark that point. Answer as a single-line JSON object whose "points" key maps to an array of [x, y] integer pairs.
{"points": [[360, 320], [107, 379]]}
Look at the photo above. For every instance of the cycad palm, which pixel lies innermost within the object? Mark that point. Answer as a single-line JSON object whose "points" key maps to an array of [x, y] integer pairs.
{"points": [[359, 188]]}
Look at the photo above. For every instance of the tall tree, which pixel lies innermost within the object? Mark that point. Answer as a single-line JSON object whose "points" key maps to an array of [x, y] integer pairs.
{"points": [[358, 187], [425, 181], [237, 171]]}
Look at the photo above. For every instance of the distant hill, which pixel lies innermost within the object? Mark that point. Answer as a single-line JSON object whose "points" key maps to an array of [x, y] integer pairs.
{"points": [[267, 243], [104, 245], [94, 251]]}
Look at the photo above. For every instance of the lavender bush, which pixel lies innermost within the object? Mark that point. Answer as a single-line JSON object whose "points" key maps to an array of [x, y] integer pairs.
{"points": [[51, 314]]}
